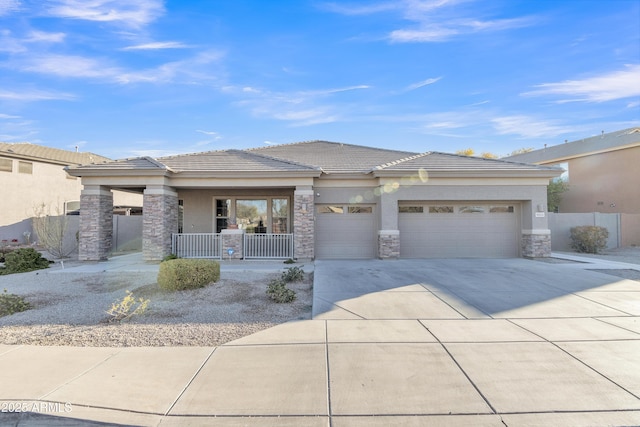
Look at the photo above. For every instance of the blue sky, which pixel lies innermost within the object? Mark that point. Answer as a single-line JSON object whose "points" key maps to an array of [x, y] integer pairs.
{"points": [[126, 78]]}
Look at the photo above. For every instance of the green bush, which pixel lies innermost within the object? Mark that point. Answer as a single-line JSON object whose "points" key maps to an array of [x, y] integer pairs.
{"points": [[180, 274], [293, 274], [23, 260], [589, 239], [11, 303], [170, 257], [278, 291], [4, 251]]}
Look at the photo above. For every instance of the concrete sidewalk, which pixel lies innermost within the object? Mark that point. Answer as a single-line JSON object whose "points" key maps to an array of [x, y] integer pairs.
{"points": [[409, 342]]}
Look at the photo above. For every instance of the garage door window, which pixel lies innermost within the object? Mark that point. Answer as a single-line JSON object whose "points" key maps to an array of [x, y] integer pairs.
{"points": [[330, 209], [410, 209], [360, 209], [471, 209], [501, 209], [440, 209]]}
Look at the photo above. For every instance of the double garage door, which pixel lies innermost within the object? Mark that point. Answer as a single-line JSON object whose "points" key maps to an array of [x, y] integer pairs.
{"points": [[459, 230], [427, 230]]}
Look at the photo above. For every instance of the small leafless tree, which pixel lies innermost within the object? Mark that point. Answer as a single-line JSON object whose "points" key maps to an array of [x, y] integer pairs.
{"points": [[52, 231]]}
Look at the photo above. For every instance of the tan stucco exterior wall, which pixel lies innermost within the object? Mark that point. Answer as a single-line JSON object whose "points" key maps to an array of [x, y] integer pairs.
{"points": [[21, 193], [605, 182]]}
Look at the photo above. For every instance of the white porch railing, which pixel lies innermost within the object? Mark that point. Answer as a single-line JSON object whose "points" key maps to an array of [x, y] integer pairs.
{"points": [[197, 245], [264, 246]]}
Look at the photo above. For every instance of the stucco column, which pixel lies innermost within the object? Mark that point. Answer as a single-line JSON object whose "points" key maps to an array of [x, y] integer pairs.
{"points": [[303, 222], [96, 223], [159, 221]]}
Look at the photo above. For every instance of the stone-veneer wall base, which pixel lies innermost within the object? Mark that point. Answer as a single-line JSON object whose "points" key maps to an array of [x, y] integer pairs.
{"points": [[389, 244], [232, 239], [536, 245]]}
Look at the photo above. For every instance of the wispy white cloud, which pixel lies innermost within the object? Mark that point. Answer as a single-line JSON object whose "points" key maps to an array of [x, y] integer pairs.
{"points": [[529, 127], [9, 6], [214, 136], [351, 9], [423, 83], [68, 66], [157, 46], [73, 66], [8, 116], [432, 20], [27, 95], [606, 87], [129, 13], [44, 37], [299, 108]]}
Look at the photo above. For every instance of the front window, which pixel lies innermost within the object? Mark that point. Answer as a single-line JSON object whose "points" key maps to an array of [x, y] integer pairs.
{"points": [[251, 215]]}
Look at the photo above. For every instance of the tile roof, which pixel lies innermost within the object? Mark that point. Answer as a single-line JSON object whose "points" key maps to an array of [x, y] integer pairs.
{"points": [[435, 161], [314, 157], [231, 161], [601, 143], [48, 154], [333, 156], [135, 163]]}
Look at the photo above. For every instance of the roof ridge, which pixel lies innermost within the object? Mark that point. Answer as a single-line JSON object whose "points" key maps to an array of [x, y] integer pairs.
{"points": [[278, 159], [403, 160], [326, 142]]}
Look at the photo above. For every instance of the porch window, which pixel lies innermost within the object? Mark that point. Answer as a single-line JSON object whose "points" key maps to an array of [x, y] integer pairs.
{"points": [[222, 214], [252, 215], [279, 215]]}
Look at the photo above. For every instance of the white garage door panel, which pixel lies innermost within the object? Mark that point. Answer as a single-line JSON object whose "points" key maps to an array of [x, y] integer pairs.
{"points": [[461, 235], [345, 235]]}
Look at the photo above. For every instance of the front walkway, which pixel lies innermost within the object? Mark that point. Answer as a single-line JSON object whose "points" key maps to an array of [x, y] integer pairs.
{"points": [[409, 342]]}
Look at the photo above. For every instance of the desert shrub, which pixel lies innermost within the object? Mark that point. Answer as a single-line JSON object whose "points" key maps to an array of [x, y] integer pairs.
{"points": [[126, 308], [11, 303], [4, 251], [289, 261], [179, 274], [589, 239], [293, 274], [278, 291], [23, 260]]}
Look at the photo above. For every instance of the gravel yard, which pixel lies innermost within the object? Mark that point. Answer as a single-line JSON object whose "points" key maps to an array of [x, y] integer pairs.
{"points": [[70, 309]]}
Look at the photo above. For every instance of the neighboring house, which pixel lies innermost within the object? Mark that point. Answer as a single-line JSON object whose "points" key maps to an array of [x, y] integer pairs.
{"points": [[332, 200], [602, 171], [32, 175]]}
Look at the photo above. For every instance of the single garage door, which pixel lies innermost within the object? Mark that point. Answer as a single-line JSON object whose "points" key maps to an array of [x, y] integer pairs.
{"points": [[345, 231], [459, 230]]}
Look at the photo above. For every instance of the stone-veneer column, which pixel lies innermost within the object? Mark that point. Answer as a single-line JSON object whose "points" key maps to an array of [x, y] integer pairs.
{"points": [[536, 243], [159, 221], [303, 223], [232, 239], [96, 223], [389, 244]]}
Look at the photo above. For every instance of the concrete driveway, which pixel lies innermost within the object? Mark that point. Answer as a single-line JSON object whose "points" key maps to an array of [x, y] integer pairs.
{"points": [[440, 342]]}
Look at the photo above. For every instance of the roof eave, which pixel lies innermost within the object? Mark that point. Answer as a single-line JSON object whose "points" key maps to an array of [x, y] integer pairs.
{"points": [[107, 172], [248, 174]]}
